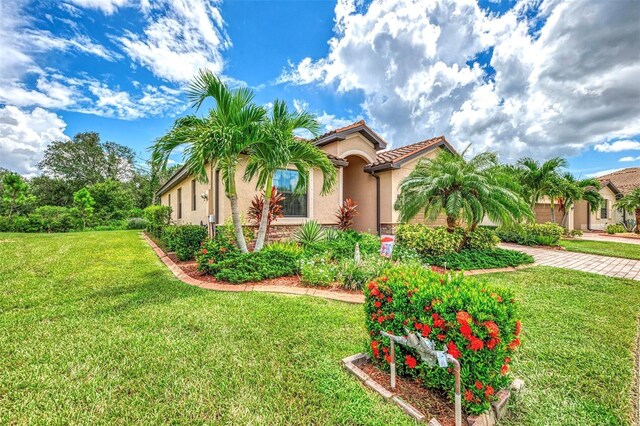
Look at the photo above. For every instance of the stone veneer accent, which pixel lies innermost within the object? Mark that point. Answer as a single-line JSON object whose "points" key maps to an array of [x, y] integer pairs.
{"points": [[279, 232], [388, 228]]}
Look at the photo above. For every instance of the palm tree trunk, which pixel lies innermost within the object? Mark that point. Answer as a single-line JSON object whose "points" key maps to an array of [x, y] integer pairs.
{"points": [[637, 221], [235, 213], [553, 212], [264, 219], [451, 223]]}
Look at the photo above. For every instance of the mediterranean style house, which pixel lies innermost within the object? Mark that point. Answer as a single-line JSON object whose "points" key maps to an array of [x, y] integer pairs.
{"points": [[614, 186], [368, 173]]}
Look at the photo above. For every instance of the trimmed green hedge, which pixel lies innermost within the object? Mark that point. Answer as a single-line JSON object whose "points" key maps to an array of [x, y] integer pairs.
{"points": [[480, 259], [185, 240], [540, 234], [475, 322]]}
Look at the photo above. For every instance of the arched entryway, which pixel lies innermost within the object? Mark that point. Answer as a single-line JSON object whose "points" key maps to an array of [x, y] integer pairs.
{"points": [[361, 188]]}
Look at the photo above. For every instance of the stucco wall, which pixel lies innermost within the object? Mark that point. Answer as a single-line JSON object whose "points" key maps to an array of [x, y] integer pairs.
{"points": [[614, 216], [542, 212], [361, 188], [189, 216]]}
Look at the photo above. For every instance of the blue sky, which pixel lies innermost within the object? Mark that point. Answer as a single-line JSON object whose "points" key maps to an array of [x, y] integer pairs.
{"points": [[524, 78]]}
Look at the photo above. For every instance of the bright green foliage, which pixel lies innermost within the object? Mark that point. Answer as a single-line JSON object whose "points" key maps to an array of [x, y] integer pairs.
{"points": [[356, 275], [318, 272], [157, 218], [256, 266], [429, 241], [113, 200], [465, 190], [185, 240], [471, 259], [569, 190], [216, 250], [631, 203], [541, 234], [476, 324], [615, 228], [341, 244], [538, 180], [311, 232], [137, 223], [84, 202], [482, 239], [15, 193]]}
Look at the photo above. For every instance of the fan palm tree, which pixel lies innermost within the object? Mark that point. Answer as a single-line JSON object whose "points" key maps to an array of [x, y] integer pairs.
{"points": [[539, 180], [278, 148], [465, 190], [571, 190], [217, 139], [631, 203]]}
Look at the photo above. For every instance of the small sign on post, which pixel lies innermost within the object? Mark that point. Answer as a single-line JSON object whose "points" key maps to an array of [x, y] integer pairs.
{"points": [[386, 245]]}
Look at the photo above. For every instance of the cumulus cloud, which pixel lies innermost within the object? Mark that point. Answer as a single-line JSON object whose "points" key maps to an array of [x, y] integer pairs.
{"points": [[618, 146], [24, 135], [327, 121], [550, 90], [629, 159], [106, 6], [180, 38]]}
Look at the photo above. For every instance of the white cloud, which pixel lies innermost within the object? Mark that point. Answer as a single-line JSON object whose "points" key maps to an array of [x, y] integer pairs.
{"points": [[629, 159], [552, 94], [106, 6], [618, 146], [180, 38], [24, 136], [327, 121]]}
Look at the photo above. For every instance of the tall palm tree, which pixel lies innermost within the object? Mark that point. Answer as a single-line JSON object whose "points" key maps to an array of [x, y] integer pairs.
{"points": [[571, 190], [278, 148], [217, 139], [631, 203], [539, 180], [463, 189]]}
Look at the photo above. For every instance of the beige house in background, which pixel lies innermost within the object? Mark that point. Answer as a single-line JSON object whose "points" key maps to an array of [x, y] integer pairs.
{"points": [[367, 173]]}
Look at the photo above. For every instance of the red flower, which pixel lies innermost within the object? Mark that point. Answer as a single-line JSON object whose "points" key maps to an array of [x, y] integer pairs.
{"points": [[492, 327], [463, 317], [465, 329], [492, 343], [223, 249], [388, 358], [418, 326], [504, 369], [375, 292], [453, 350], [389, 299], [374, 348], [385, 349], [410, 361], [507, 360], [438, 322], [372, 285], [478, 384], [468, 395], [518, 327], [392, 315], [426, 330], [204, 251], [488, 391], [384, 279], [377, 304], [441, 337], [514, 344], [476, 344], [380, 320]]}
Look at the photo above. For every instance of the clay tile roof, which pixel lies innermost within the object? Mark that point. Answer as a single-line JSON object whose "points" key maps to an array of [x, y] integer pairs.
{"points": [[398, 154], [625, 180], [342, 129]]}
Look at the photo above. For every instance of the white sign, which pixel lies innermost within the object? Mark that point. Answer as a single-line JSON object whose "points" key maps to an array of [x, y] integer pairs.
{"points": [[386, 245]]}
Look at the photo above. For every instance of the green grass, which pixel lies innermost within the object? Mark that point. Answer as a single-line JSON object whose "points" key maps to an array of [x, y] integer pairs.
{"points": [[604, 248], [95, 330]]}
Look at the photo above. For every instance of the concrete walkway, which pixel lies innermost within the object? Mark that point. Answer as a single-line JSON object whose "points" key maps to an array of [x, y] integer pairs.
{"points": [[603, 265], [608, 238]]}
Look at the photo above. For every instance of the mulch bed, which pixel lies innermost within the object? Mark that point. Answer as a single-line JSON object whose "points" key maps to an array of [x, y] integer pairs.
{"points": [[431, 403]]}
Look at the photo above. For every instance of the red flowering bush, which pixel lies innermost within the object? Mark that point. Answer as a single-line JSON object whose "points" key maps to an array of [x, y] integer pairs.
{"points": [[214, 251], [475, 323]]}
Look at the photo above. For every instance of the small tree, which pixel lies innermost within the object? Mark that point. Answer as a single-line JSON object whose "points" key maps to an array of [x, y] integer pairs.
{"points": [[346, 213], [631, 203], [84, 202], [275, 208], [15, 192]]}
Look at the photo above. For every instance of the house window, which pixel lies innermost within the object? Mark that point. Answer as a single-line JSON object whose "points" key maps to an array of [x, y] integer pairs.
{"points": [[193, 194], [179, 203], [604, 210], [293, 205]]}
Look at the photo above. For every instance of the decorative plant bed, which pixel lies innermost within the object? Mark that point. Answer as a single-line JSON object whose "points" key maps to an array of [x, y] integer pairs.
{"points": [[424, 405]]}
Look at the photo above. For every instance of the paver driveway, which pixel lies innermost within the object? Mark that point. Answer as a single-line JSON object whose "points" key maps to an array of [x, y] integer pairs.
{"points": [[603, 265]]}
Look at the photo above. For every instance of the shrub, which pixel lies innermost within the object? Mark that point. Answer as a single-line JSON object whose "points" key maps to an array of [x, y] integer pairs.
{"points": [[346, 213], [429, 241], [482, 239], [355, 275], [475, 322], [545, 234], [342, 244], [111, 225], [572, 233], [311, 232], [615, 228], [215, 250], [157, 218], [275, 208], [137, 223], [185, 240], [480, 259], [256, 266], [53, 219], [318, 272]]}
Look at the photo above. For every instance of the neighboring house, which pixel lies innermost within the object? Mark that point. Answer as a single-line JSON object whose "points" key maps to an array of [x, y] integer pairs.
{"points": [[614, 186], [367, 173]]}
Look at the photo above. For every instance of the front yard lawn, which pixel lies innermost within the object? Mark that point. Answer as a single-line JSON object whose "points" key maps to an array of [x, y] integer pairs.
{"points": [[95, 329], [604, 248]]}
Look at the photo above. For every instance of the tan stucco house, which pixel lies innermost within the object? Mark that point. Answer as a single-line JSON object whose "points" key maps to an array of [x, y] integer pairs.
{"points": [[368, 173]]}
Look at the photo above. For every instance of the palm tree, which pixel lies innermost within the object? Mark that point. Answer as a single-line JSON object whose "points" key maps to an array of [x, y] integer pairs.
{"points": [[465, 190], [571, 190], [278, 148], [217, 139], [631, 203], [539, 180]]}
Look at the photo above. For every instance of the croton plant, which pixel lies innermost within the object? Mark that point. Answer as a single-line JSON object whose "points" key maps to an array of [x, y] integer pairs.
{"points": [[474, 322]]}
